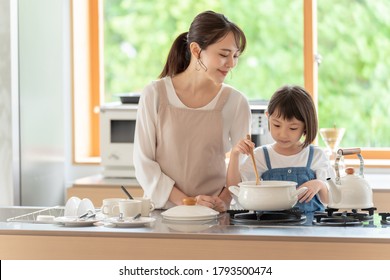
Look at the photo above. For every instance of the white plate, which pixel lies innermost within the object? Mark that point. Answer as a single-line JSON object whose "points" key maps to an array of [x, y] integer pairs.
{"points": [[190, 226], [199, 218], [190, 213], [75, 221], [129, 222]]}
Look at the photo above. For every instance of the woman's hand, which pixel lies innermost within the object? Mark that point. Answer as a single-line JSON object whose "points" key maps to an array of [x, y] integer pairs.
{"points": [[213, 202]]}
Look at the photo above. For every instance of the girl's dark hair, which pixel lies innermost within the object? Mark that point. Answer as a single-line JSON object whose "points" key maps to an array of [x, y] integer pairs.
{"points": [[206, 29], [291, 102]]}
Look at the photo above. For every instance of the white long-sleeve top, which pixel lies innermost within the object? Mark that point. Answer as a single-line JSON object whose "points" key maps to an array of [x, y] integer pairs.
{"points": [[157, 185]]}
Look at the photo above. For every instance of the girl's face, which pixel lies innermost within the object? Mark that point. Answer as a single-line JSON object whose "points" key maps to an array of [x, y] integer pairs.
{"points": [[220, 58], [286, 133]]}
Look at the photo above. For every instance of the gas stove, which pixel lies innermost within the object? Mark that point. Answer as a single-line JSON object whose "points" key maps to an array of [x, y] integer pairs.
{"points": [[291, 216], [335, 217], [294, 217]]}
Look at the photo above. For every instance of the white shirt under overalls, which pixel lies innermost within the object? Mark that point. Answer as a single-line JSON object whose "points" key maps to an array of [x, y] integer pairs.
{"points": [[320, 164]]}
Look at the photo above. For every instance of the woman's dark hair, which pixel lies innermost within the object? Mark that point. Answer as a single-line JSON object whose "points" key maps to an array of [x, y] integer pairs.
{"points": [[206, 29], [291, 102]]}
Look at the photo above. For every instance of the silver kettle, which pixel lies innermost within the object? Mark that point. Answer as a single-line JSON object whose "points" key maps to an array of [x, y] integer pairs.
{"points": [[350, 191]]}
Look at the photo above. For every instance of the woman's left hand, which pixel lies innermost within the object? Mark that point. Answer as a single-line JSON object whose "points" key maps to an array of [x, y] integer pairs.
{"points": [[213, 202]]}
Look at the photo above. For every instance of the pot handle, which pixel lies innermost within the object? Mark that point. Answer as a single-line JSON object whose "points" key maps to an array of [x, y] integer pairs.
{"points": [[301, 191], [235, 190]]}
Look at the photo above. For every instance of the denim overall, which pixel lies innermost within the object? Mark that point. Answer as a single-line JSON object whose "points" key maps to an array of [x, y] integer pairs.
{"points": [[295, 174]]}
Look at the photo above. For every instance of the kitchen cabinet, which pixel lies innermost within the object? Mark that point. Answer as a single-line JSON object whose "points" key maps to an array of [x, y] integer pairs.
{"points": [[381, 199], [97, 188]]}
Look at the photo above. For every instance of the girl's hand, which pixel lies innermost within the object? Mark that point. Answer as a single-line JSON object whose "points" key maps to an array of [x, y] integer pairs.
{"points": [[313, 187], [244, 146]]}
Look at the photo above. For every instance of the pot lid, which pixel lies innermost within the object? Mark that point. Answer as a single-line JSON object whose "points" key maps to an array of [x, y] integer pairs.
{"points": [[190, 212]]}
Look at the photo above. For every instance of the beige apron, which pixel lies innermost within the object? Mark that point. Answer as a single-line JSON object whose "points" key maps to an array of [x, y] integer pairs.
{"points": [[190, 145]]}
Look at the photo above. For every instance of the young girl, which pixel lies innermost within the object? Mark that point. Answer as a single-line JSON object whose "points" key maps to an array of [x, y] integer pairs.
{"points": [[292, 121]]}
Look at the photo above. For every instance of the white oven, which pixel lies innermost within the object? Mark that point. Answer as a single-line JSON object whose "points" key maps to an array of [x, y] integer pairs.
{"points": [[117, 128], [259, 126]]}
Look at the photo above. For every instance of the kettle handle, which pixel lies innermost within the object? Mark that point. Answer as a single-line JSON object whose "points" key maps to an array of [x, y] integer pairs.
{"points": [[344, 152], [350, 151]]}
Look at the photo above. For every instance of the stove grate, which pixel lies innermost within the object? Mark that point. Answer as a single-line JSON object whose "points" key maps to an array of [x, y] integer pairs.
{"points": [[385, 218], [332, 217], [245, 217]]}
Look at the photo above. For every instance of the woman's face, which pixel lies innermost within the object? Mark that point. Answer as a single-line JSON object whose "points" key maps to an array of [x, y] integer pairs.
{"points": [[220, 58]]}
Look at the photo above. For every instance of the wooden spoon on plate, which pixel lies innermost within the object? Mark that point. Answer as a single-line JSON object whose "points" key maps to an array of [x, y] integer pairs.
{"points": [[254, 162]]}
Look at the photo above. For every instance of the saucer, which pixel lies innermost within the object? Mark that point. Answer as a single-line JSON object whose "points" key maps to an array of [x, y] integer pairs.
{"points": [[129, 222], [72, 221]]}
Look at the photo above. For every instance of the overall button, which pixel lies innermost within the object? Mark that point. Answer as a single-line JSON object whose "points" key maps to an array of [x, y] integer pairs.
{"points": [[289, 171]]}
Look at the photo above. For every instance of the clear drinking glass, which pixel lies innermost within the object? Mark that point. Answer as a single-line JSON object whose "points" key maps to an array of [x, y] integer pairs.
{"points": [[332, 138]]}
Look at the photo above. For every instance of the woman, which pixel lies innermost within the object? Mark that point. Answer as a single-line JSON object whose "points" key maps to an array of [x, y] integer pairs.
{"points": [[188, 119]]}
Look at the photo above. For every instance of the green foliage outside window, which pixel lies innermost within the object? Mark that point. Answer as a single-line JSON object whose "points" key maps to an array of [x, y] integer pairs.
{"points": [[354, 77], [353, 40]]}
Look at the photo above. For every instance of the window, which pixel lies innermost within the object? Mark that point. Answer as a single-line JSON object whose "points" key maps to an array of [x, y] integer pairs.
{"points": [[138, 36], [279, 51], [353, 83]]}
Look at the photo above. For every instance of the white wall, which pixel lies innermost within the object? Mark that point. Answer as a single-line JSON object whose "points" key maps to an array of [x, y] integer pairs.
{"points": [[43, 86], [6, 190]]}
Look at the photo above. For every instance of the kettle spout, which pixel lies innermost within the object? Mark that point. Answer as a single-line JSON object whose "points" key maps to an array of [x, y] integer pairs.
{"points": [[334, 192]]}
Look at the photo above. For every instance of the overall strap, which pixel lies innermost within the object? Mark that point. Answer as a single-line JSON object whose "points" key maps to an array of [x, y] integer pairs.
{"points": [[267, 159], [310, 159]]}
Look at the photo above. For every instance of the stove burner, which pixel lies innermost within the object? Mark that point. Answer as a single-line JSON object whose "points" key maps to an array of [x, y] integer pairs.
{"points": [[245, 217], [333, 218], [385, 218]]}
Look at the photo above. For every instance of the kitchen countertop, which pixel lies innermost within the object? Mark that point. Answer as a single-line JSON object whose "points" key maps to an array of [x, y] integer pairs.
{"points": [[214, 228], [330, 242]]}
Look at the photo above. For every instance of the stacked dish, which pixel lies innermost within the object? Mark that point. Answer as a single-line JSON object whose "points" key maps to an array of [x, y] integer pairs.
{"points": [[78, 213], [75, 221], [190, 213], [129, 222]]}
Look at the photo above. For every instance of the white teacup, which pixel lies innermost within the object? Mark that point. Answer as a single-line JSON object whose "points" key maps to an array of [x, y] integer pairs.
{"points": [[147, 206], [110, 206], [130, 207], [85, 205], [71, 206]]}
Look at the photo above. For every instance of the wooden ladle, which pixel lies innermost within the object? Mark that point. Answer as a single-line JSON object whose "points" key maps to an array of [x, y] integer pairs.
{"points": [[254, 162]]}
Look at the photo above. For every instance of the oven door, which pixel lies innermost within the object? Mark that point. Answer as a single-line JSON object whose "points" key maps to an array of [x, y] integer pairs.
{"points": [[117, 141]]}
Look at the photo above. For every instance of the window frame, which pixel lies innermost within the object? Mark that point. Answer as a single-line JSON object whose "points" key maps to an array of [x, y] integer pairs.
{"points": [[86, 149]]}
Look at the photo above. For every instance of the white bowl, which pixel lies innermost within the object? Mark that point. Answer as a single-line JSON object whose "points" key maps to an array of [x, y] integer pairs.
{"points": [[71, 206]]}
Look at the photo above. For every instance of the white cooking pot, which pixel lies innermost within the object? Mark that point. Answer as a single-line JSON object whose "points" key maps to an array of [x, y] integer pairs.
{"points": [[268, 196]]}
